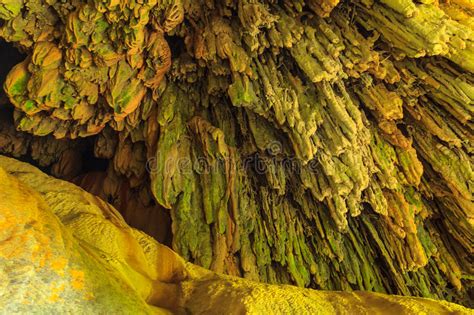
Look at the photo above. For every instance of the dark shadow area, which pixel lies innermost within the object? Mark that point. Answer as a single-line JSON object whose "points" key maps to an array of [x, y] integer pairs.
{"points": [[90, 163], [9, 57]]}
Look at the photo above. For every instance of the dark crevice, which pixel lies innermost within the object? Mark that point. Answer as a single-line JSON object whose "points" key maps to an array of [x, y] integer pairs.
{"points": [[10, 56], [90, 163]]}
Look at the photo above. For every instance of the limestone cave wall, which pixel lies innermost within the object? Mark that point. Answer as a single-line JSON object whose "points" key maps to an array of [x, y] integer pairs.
{"points": [[322, 143]]}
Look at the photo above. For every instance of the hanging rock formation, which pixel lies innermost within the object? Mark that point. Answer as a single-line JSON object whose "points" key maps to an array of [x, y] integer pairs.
{"points": [[325, 144], [63, 250]]}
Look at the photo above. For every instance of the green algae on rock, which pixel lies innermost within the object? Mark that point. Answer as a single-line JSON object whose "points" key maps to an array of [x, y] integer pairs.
{"points": [[318, 143], [65, 250]]}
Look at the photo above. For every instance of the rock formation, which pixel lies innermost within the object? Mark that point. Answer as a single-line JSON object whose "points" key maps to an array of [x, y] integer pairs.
{"points": [[63, 250], [322, 143]]}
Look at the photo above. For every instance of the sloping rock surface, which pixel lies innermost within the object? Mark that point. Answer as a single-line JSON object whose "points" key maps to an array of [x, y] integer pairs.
{"points": [[63, 250]]}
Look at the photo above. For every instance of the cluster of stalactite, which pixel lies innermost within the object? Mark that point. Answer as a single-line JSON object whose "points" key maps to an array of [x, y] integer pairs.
{"points": [[318, 143]]}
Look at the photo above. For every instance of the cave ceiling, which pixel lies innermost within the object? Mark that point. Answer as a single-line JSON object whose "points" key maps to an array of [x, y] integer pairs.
{"points": [[326, 144]]}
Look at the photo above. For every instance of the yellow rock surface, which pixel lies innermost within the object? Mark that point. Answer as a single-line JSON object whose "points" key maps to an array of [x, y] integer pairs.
{"points": [[63, 250]]}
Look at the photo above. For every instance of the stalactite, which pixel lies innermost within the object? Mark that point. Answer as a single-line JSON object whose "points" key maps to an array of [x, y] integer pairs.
{"points": [[325, 144]]}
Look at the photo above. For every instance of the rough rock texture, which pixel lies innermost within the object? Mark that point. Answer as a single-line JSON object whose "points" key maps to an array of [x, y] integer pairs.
{"points": [[63, 250], [321, 143]]}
